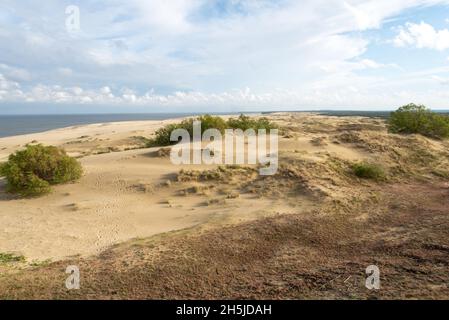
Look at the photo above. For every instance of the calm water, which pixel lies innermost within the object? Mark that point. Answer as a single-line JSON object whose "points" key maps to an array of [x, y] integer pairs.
{"points": [[11, 125], [16, 125]]}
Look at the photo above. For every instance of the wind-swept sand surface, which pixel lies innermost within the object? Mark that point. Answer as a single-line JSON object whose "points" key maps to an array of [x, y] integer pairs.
{"points": [[122, 195], [144, 228], [85, 139]]}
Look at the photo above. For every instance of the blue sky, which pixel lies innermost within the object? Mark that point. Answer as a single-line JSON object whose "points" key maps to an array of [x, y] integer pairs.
{"points": [[218, 56]]}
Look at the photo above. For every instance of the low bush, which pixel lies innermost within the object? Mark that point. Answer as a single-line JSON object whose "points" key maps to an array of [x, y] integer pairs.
{"points": [[244, 122], [367, 170], [162, 136], [211, 122], [32, 171], [419, 119]]}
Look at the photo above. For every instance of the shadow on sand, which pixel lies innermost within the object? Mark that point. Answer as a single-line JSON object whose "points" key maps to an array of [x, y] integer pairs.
{"points": [[5, 196]]}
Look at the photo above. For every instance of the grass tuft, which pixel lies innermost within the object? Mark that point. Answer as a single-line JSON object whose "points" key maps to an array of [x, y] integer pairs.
{"points": [[367, 170], [9, 257]]}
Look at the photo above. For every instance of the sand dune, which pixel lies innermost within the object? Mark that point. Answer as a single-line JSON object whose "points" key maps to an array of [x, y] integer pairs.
{"points": [[123, 195], [288, 235], [134, 193]]}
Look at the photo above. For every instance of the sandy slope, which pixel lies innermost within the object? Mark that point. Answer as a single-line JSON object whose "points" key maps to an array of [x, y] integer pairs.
{"points": [[125, 194], [309, 231], [110, 203], [105, 207], [83, 138]]}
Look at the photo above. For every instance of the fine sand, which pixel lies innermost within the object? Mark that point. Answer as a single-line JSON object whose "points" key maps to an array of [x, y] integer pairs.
{"points": [[140, 227], [122, 195], [130, 192]]}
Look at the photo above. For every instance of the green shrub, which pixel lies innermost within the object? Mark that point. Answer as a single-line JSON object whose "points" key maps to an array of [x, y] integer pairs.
{"points": [[211, 122], [2, 169], [367, 170], [419, 119], [9, 257], [32, 171], [244, 122], [162, 136]]}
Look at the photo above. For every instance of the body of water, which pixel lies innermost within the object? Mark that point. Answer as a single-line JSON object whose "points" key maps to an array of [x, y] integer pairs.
{"points": [[12, 125]]}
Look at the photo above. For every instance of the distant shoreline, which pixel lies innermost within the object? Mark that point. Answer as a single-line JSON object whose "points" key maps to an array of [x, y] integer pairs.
{"points": [[15, 125]]}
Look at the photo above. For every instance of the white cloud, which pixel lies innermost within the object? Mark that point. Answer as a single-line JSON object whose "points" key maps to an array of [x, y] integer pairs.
{"points": [[312, 50], [167, 16], [441, 80], [66, 72], [105, 90], [362, 93], [6, 84], [15, 73], [77, 91], [422, 35], [364, 19], [371, 64]]}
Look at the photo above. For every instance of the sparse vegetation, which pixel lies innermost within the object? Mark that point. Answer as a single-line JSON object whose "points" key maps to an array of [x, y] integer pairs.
{"points": [[368, 170], [232, 195], [222, 173], [32, 171], [441, 173], [163, 152], [162, 136], [9, 257], [198, 190], [414, 118], [215, 201], [318, 141], [278, 226]]}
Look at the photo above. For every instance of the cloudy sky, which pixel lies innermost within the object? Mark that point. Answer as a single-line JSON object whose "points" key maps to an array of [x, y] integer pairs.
{"points": [[206, 55]]}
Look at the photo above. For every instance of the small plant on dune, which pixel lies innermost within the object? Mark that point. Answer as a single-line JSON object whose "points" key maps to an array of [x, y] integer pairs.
{"points": [[32, 171], [368, 170], [414, 118], [9, 257]]}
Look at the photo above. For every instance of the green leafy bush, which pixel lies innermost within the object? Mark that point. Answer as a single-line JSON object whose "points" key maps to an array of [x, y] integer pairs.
{"points": [[367, 170], [32, 171], [162, 136], [419, 119], [211, 122], [244, 122]]}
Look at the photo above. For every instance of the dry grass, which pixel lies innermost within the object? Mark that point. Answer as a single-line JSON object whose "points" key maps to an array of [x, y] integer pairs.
{"points": [[400, 225], [298, 256]]}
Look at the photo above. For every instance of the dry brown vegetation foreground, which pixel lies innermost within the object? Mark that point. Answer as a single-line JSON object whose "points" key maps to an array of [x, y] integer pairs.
{"points": [[285, 257], [400, 224]]}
